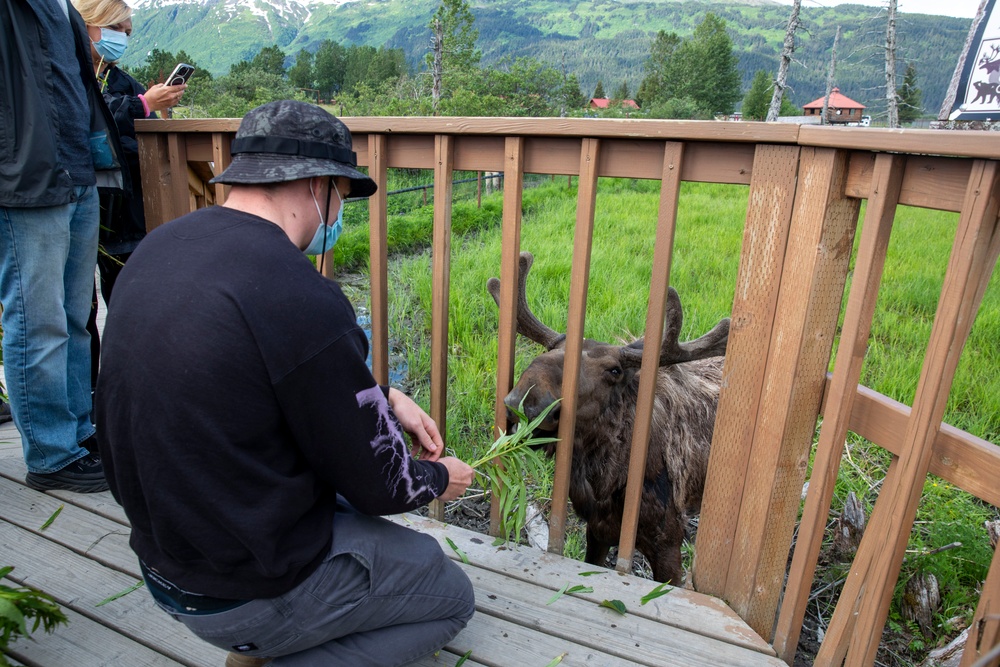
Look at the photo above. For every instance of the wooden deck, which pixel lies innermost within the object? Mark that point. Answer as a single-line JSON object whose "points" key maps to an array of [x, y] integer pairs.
{"points": [[83, 558]]}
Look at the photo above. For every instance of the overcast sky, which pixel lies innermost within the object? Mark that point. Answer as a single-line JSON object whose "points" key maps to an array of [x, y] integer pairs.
{"points": [[961, 8]]}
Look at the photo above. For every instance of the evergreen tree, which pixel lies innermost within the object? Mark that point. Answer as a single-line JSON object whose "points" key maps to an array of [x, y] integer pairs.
{"points": [[704, 68], [599, 91], [570, 95], [622, 92], [910, 97], [758, 98], [788, 108], [301, 73], [655, 86]]}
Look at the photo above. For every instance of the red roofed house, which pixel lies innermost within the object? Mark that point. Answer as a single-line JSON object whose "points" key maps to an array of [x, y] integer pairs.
{"points": [[603, 103], [842, 109]]}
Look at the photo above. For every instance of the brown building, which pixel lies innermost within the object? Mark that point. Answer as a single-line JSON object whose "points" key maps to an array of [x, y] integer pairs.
{"points": [[842, 109]]}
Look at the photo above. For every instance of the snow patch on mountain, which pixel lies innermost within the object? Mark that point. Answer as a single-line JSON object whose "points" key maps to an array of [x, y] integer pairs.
{"points": [[252, 5]]}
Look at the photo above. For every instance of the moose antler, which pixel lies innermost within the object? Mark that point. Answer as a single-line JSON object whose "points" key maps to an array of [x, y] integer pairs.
{"points": [[528, 325], [712, 344]]}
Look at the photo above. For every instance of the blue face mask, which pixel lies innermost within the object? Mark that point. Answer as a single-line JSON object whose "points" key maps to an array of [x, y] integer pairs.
{"points": [[326, 235], [111, 45]]}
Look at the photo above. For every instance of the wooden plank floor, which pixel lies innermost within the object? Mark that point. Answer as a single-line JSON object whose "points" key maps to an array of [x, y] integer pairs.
{"points": [[83, 558]]}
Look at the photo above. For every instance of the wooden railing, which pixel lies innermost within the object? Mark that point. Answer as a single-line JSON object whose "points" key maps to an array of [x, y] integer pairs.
{"points": [[806, 186]]}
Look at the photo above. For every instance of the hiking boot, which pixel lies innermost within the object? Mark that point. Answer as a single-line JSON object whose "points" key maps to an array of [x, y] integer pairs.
{"points": [[84, 475], [240, 660]]}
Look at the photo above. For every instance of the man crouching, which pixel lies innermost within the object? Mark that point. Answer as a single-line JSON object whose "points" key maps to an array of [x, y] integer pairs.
{"points": [[248, 442]]}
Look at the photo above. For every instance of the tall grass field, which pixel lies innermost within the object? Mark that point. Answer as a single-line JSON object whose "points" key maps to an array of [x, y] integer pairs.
{"points": [[704, 268]]}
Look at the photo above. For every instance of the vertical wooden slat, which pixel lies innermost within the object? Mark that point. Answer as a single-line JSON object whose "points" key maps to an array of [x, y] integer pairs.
{"points": [[510, 250], [812, 286], [177, 156], [984, 634], [857, 623], [444, 157], [154, 171], [765, 234], [886, 183], [378, 230], [579, 277], [663, 248], [221, 142], [971, 264]]}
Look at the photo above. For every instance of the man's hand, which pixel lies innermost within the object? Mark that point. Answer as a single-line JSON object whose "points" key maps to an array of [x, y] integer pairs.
{"points": [[424, 435], [460, 475]]}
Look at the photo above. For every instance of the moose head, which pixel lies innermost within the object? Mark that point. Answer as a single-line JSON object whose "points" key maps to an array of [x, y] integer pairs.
{"points": [[608, 373]]}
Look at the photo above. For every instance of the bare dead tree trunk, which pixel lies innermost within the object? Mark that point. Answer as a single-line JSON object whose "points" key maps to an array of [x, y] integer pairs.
{"points": [[891, 97], [825, 119], [786, 58], [437, 47], [949, 98], [562, 102]]}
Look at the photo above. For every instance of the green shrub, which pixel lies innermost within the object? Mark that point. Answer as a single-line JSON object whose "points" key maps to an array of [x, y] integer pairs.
{"points": [[18, 606]]}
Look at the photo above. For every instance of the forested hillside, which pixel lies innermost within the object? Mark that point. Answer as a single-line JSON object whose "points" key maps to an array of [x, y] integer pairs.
{"points": [[597, 40]]}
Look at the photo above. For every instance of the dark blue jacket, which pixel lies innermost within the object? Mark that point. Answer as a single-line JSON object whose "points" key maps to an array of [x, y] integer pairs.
{"points": [[123, 222], [30, 172]]}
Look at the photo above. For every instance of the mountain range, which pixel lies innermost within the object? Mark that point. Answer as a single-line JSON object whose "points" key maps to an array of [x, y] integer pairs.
{"points": [[598, 40]]}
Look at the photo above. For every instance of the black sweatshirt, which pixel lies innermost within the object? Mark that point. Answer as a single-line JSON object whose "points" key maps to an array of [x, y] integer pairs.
{"points": [[234, 403]]}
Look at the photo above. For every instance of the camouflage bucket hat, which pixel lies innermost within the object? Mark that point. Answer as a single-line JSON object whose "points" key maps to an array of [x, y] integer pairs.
{"points": [[288, 140]]}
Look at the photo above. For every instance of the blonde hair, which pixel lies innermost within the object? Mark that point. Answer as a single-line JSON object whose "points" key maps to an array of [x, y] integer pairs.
{"points": [[103, 13]]}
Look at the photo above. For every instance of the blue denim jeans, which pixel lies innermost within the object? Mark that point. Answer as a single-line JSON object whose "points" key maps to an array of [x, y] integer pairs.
{"points": [[385, 595], [47, 260]]}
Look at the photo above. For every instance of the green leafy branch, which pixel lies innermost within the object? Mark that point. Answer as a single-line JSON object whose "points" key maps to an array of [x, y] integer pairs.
{"points": [[508, 463], [19, 604]]}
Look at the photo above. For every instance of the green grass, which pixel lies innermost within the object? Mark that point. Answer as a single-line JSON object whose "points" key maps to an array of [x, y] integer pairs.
{"points": [[706, 255]]}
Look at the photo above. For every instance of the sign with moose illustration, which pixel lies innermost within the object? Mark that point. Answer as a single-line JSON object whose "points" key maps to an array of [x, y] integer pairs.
{"points": [[979, 88]]}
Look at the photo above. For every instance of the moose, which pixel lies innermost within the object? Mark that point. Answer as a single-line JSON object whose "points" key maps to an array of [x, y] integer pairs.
{"points": [[687, 393]]}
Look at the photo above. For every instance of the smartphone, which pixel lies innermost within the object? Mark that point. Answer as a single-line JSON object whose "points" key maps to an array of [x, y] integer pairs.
{"points": [[180, 75]]}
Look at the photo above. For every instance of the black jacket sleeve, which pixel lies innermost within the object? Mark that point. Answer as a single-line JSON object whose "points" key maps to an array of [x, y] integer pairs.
{"points": [[341, 420]]}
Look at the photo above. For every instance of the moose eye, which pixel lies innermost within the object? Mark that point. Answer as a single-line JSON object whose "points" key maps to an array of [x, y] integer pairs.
{"points": [[615, 371]]}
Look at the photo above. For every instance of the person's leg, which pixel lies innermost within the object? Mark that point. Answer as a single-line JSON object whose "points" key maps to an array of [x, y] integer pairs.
{"points": [[385, 596], [417, 598], [81, 265], [45, 286]]}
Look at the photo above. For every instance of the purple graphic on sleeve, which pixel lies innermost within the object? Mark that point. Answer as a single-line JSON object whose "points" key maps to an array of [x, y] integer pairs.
{"points": [[389, 446]]}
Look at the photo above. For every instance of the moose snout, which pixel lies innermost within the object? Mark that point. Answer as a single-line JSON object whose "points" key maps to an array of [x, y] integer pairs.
{"points": [[531, 407]]}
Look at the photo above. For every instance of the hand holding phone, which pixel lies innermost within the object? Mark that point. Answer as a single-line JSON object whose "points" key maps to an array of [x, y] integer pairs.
{"points": [[180, 75]]}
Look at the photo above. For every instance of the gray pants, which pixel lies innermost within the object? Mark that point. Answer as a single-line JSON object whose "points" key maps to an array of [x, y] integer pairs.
{"points": [[385, 595]]}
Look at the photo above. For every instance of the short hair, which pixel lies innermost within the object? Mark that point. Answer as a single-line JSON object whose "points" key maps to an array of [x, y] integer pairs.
{"points": [[103, 13]]}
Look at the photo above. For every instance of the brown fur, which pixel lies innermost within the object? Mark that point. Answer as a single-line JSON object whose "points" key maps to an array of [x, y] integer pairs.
{"points": [[680, 436]]}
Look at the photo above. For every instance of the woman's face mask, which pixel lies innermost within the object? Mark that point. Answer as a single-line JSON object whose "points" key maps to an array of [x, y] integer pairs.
{"points": [[111, 45]]}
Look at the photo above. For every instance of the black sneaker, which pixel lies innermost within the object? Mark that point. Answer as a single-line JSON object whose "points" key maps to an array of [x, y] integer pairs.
{"points": [[84, 475], [5, 415], [90, 444]]}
